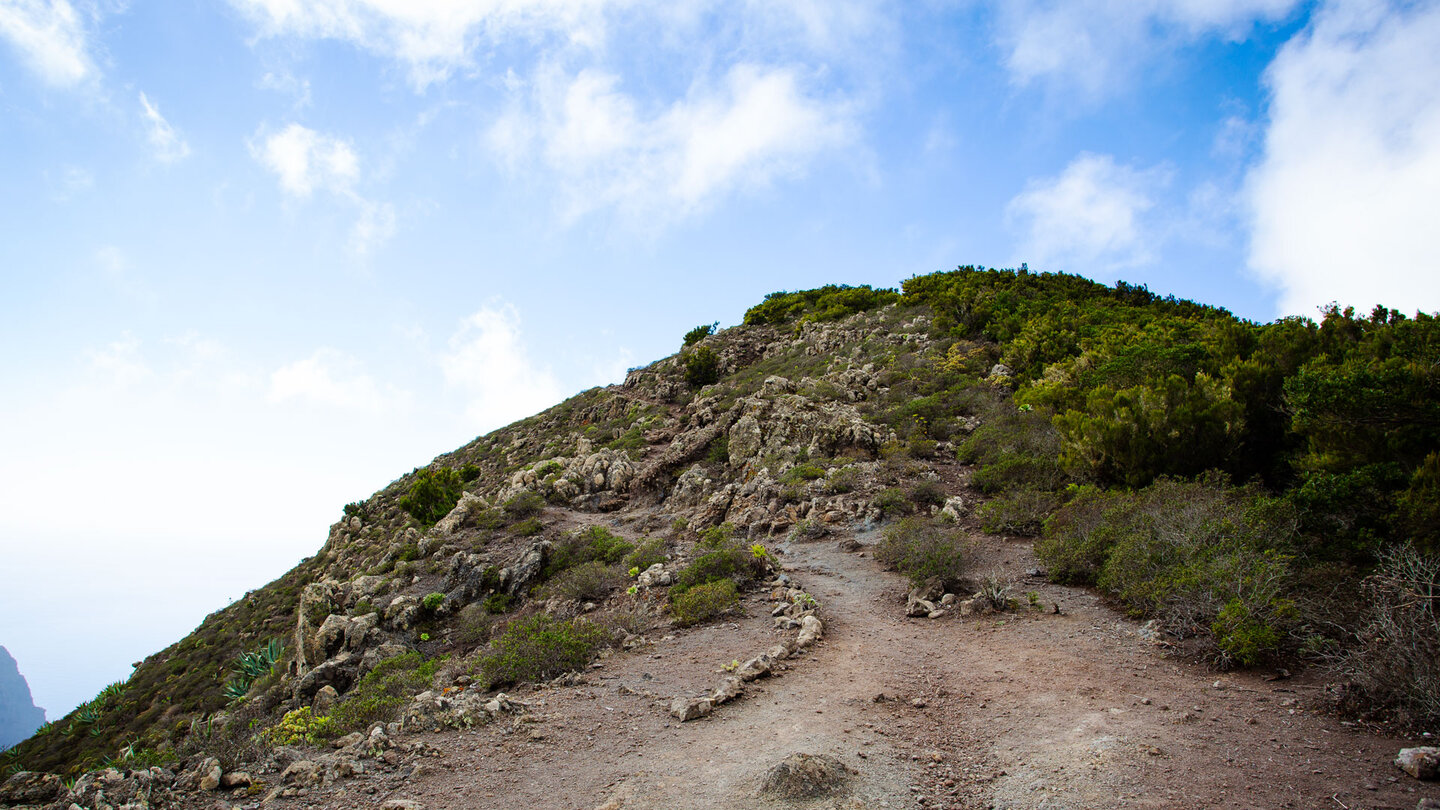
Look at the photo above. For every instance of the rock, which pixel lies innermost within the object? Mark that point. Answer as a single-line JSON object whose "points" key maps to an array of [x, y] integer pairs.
{"points": [[948, 600], [324, 700], [756, 667], [936, 613], [301, 773], [1421, 763], [1001, 371], [727, 690], [235, 779], [805, 776], [920, 601], [849, 544], [810, 630], [30, 787], [919, 607], [954, 507], [1428, 804], [402, 804], [687, 709], [210, 780]]}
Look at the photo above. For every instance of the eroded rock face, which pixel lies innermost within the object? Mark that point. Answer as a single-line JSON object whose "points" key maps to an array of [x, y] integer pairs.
{"points": [[27, 787], [805, 776]]}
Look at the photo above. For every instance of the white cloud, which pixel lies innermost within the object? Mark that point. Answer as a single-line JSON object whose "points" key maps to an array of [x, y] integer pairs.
{"points": [[120, 362], [488, 362], [304, 159], [1091, 217], [755, 125], [374, 227], [331, 378], [1345, 197], [168, 144], [51, 38], [1093, 45]]}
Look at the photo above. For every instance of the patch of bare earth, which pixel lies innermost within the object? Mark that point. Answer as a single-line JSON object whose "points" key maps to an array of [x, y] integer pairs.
{"points": [[1028, 709]]}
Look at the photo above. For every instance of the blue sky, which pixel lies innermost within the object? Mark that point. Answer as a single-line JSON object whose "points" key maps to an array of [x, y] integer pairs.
{"points": [[259, 257]]}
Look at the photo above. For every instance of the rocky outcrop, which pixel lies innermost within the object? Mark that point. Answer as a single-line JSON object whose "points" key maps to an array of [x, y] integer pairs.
{"points": [[805, 776]]}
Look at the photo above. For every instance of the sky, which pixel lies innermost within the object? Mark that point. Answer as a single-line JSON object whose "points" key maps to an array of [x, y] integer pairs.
{"points": [[258, 258]]}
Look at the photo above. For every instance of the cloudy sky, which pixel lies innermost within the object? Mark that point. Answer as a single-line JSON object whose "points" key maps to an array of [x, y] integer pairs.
{"points": [[260, 257]]}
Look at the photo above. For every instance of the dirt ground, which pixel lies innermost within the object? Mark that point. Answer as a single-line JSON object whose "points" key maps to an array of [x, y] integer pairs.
{"points": [[1029, 709]]}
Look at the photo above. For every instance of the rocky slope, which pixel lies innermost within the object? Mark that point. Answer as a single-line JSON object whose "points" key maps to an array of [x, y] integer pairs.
{"points": [[666, 593], [19, 716]]}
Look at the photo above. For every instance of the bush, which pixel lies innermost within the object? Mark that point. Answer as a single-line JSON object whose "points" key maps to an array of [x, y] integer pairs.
{"points": [[702, 367], [699, 333], [432, 602], [383, 692], [703, 602], [591, 544], [300, 727], [841, 481], [587, 582], [802, 472], [927, 493], [723, 557], [1208, 560], [526, 504], [1021, 511], [433, 494], [922, 550], [892, 502], [1396, 664], [541, 647], [646, 554], [529, 527]]}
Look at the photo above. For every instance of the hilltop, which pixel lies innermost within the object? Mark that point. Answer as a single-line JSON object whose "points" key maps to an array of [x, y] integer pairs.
{"points": [[993, 539]]}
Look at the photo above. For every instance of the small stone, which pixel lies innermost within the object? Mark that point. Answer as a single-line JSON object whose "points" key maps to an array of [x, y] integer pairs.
{"points": [[686, 709], [402, 804], [1421, 763], [235, 779]]}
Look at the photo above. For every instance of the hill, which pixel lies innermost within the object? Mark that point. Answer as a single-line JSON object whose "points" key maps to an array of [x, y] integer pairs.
{"points": [[1264, 495]]}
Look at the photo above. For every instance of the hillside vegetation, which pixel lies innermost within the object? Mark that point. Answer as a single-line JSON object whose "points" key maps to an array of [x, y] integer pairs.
{"points": [[1268, 493]]}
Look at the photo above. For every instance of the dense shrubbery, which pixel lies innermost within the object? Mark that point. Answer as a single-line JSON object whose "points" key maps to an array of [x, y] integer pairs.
{"points": [[433, 494], [1205, 558], [382, 693], [699, 333], [923, 549], [702, 366], [829, 303], [540, 647]]}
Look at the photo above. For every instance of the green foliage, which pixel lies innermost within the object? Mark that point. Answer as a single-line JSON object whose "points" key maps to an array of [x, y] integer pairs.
{"points": [[432, 602], [526, 504], [704, 602], [892, 502], [470, 472], [593, 543], [587, 582], [722, 558], [300, 727], [646, 554], [252, 666], [498, 603], [540, 647], [702, 366], [802, 473], [432, 495], [926, 494], [383, 692], [842, 480], [829, 303], [1018, 511], [924, 549], [1202, 556], [719, 450], [354, 509], [699, 333], [529, 527]]}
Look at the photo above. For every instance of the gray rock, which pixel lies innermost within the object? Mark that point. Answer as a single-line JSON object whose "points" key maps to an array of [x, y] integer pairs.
{"points": [[324, 700], [805, 776], [402, 804], [687, 709], [1421, 763], [727, 690], [810, 630], [301, 773], [756, 667], [210, 778], [235, 779], [30, 787]]}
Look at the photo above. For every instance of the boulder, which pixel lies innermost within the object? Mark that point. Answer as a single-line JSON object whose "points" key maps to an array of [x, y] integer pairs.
{"points": [[687, 709], [1421, 763], [30, 787], [301, 773], [727, 690], [805, 776], [810, 630]]}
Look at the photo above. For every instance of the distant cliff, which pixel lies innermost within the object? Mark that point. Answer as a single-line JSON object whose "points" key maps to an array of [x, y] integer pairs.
{"points": [[19, 717]]}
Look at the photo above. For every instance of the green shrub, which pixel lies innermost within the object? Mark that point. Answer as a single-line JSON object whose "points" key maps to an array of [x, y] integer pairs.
{"points": [[587, 582], [722, 557], [1020, 511], [649, 552], [699, 333], [526, 504], [432, 602], [432, 495], [829, 303], [300, 727], [842, 480], [248, 668], [702, 367], [474, 623], [469, 473], [498, 602], [1078, 538], [892, 502], [802, 472], [529, 527], [540, 647], [383, 692], [927, 493], [591, 544], [354, 509], [703, 602], [923, 549]]}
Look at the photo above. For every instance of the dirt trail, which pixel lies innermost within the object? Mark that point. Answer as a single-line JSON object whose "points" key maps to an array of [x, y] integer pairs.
{"points": [[1017, 710]]}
